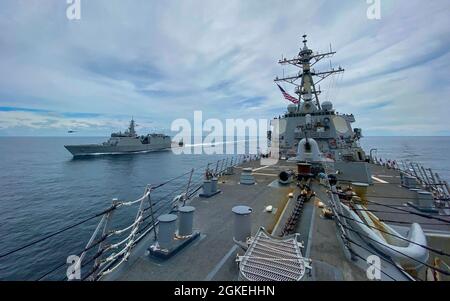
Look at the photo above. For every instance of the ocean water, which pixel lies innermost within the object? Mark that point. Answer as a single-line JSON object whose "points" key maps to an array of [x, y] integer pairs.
{"points": [[43, 189], [431, 152]]}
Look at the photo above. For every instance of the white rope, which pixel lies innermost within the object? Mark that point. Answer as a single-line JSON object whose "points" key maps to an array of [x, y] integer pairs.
{"points": [[130, 238], [137, 201], [117, 232], [179, 198], [115, 267], [126, 250], [114, 256], [115, 246]]}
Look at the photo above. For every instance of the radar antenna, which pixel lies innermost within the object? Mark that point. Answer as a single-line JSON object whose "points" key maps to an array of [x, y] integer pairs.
{"points": [[306, 59]]}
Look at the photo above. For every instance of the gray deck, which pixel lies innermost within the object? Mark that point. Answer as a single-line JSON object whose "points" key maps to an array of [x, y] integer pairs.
{"points": [[212, 255], [329, 260], [393, 194]]}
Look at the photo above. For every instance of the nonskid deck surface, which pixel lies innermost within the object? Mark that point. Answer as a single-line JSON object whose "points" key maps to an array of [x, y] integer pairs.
{"points": [[212, 256], [391, 193], [329, 262]]}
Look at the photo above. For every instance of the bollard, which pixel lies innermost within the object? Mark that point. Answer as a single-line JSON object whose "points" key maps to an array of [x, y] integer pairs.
{"points": [[166, 230], [207, 187], [210, 188], [247, 177], [186, 220], [242, 223], [214, 185]]}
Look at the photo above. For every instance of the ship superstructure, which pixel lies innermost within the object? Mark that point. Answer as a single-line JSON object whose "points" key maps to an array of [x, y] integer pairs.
{"points": [[307, 117]]}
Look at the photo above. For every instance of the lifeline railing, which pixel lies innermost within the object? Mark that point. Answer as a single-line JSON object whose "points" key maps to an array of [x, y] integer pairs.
{"points": [[426, 177], [109, 256], [345, 231]]}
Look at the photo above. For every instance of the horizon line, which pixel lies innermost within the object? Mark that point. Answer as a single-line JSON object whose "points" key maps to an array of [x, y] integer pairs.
{"points": [[101, 136]]}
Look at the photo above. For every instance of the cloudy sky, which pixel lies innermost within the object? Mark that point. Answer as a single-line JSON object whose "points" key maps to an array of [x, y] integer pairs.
{"points": [[161, 60]]}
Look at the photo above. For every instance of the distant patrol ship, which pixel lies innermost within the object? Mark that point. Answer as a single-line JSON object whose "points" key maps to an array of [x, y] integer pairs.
{"points": [[123, 143]]}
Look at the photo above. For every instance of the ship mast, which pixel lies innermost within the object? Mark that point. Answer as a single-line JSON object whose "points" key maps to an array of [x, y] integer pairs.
{"points": [[306, 89], [131, 130]]}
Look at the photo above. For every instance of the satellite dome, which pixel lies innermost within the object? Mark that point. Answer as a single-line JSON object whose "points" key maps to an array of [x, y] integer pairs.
{"points": [[292, 108], [327, 106]]}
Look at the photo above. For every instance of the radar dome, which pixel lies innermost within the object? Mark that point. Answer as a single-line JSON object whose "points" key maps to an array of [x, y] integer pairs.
{"points": [[292, 108], [327, 106]]}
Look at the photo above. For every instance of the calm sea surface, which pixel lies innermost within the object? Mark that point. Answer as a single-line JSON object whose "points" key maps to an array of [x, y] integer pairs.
{"points": [[42, 189], [431, 152]]}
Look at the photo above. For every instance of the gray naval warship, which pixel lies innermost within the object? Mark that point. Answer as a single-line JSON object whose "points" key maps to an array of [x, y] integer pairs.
{"points": [[123, 143], [313, 207], [308, 118]]}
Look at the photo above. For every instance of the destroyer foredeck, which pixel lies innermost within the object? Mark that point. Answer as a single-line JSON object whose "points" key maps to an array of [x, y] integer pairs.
{"points": [[212, 256], [367, 215]]}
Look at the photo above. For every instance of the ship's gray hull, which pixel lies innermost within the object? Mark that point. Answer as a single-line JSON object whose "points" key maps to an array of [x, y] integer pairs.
{"points": [[95, 149]]}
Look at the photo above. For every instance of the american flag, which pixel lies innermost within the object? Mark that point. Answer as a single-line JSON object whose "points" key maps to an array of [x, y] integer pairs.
{"points": [[287, 96]]}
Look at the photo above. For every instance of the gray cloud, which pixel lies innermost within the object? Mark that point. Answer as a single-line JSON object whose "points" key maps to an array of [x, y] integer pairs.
{"points": [[160, 60]]}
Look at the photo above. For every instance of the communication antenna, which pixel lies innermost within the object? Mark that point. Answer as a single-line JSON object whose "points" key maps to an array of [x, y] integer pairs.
{"points": [[305, 86]]}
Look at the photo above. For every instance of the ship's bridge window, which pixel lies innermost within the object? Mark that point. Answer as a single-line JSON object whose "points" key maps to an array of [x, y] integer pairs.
{"points": [[340, 124]]}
